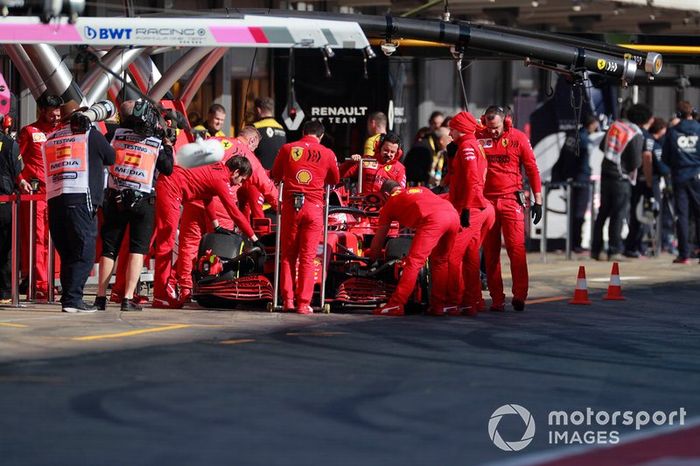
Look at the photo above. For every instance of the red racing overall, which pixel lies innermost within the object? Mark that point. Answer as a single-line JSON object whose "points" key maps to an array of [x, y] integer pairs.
{"points": [[31, 139], [467, 194], [186, 185], [305, 167], [195, 220], [374, 173], [437, 225], [505, 155]]}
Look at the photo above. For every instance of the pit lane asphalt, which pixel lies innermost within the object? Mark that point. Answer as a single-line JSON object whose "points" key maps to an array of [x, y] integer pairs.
{"points": [[195, 387]]}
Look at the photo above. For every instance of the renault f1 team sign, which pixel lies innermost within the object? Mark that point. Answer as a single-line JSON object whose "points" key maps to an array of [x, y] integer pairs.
{"points": [[247, 31]]}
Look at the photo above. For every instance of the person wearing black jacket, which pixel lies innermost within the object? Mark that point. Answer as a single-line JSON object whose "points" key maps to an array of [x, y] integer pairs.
{"points": [[75, 156], [272, 134], [622, 155], [647, 188], [681, 153]]}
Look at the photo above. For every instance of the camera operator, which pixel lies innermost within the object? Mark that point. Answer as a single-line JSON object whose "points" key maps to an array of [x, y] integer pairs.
{"points": [[143, 152], [75, 156]]}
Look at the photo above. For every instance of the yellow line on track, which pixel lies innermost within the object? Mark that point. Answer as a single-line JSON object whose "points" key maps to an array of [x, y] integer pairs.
{"points": [[237, 342], [131, 333], [7, 324], [547, 300]]}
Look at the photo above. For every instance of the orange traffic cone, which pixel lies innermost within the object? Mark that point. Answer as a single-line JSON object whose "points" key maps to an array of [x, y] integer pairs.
{"points": [[581, 292], [614, 289]]}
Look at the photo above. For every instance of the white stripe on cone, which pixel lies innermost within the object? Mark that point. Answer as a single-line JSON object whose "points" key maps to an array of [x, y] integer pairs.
{"points": [[581, 284]]}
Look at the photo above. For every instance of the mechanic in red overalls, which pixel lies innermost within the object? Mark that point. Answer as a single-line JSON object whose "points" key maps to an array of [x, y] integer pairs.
{"points": [[305, 167], [476, 215], [386, 166], [195, 221], [31, 139], [186, 185], [436, 224], [507, 149]]}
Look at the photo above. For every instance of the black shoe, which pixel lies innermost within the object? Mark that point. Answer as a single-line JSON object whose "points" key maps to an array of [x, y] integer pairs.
{"points": [[80, 308], [518, 304], [101, 303], [129, 305], [631, 254]]}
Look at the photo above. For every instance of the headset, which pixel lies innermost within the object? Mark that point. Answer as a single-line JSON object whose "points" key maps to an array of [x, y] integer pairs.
{"points": [[6, 123], [693, 113], [392, 138], [493, 109]]}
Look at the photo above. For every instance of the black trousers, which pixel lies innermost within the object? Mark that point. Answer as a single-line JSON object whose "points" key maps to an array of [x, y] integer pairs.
{"points": [[614, 205], [581, 197], [633, 242], [687, 200], [74, 232], [5, 250]]}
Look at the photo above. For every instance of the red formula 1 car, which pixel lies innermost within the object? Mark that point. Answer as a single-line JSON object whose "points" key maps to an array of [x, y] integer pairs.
{"points": [[229, 271], [356, 282]]}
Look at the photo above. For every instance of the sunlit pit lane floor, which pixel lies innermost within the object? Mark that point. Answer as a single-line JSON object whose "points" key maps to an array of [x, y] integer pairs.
{"points": [[235, 387], [42, 331]]}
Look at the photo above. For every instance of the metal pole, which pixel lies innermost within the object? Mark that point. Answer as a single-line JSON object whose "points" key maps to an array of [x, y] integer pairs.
{"points": [[593, 212], [543, 236], [658, 233], [324, 272], [568, 188], [31, 276], [15, 251], [360, 178], [420, 8], [50, 268], [278, 241]]}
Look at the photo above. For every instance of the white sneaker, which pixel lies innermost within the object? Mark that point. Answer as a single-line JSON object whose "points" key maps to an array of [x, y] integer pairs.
{"points": [[81, 308]]}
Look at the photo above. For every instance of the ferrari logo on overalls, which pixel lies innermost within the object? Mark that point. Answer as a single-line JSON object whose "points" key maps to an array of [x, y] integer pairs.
{"points": [[504, 142], [226, 143], [297, 152], [414, 191], [303, 176], [387, 168]]}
